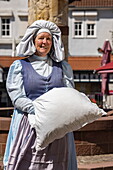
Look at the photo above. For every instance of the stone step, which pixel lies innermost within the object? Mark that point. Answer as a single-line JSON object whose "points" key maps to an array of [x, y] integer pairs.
{"points": [[95, 138], [96, 162], [99, 166]]}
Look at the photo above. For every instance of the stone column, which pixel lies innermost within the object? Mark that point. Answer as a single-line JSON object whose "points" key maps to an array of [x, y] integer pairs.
{"points": [[52, 10]]}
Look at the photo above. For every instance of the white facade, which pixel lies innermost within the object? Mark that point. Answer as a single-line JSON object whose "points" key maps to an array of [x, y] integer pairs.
{"points": [[88, 29], [13, 23]]}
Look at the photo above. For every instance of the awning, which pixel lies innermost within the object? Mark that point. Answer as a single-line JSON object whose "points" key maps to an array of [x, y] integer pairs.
{"points": [[108, 68]]}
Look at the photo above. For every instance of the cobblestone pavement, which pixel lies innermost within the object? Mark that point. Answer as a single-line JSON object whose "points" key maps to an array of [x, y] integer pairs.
{"points": [[94, 159]]}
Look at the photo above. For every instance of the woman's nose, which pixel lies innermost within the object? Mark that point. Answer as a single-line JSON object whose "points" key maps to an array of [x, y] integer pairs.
{"points": [[44, 40]]}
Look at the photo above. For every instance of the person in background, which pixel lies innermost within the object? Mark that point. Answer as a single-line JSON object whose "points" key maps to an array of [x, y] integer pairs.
{"points": [[42, 69]]}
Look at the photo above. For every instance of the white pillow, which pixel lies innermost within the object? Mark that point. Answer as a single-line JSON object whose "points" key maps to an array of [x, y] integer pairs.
{"points": [[59, 111]]}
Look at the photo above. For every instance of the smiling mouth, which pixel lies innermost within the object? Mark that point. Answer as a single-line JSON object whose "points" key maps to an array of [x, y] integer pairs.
{"points": [[43, 47]]}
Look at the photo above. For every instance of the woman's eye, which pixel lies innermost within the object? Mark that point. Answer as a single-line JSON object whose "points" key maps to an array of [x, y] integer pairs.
{"points": [[41, 38], [49, 39]]}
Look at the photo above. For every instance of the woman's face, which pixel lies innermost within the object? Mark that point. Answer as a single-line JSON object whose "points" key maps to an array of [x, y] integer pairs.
{"points": [[43, 43]]}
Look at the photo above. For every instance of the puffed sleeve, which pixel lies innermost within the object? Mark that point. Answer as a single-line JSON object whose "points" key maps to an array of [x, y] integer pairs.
{"points": [[15, 88], [67, 74]]}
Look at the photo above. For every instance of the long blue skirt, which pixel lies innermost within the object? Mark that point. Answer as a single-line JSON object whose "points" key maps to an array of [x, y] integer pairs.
{"points": [[20, 151]]}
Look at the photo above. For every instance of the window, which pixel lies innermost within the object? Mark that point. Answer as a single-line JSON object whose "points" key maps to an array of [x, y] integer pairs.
{"points": [[90, 29], [78, 28], [84, 24], [94, 77], [5, 27], [84, 77]]}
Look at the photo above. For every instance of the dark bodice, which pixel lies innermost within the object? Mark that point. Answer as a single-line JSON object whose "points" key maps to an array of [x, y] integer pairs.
{"points": [[35, 84]]}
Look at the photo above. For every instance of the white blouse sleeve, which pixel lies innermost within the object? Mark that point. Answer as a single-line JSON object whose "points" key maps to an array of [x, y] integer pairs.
{"points": [[15, 88], [67, 74]]}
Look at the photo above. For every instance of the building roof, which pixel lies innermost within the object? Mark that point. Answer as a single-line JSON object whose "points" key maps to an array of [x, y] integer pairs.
{"points": [[6, 61], [85, 63], [77, 63], [91, 3]]}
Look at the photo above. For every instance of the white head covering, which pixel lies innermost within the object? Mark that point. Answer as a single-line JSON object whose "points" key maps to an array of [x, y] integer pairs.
{"points": [[26, 46], [42, 30]]}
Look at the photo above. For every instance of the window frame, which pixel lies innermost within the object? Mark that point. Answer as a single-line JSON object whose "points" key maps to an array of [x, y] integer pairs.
{"points": [[91, 21], [6, 36], [78, 30], [78, 20], [91, 30]]}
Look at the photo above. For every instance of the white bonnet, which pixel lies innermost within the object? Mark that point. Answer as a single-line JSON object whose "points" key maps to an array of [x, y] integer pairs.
{"points": [[26, 46], [43, 30]]}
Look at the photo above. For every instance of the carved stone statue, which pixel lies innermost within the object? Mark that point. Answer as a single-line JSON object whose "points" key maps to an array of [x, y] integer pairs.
{"points": [[52, 10]]}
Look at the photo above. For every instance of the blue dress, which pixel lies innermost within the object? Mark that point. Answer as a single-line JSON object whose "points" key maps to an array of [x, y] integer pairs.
{"points": [[58, 155]]}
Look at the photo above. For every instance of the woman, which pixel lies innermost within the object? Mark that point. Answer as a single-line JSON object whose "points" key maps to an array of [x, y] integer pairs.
{"points": [[43, 69]]}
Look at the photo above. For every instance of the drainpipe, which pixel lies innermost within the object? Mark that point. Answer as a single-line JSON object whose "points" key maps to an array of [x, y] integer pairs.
{"points": [[13, 47]]}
